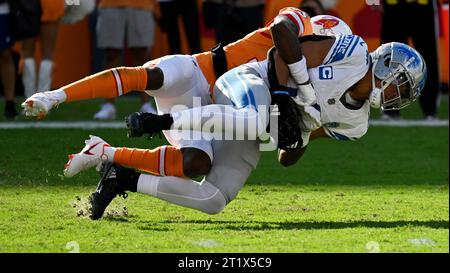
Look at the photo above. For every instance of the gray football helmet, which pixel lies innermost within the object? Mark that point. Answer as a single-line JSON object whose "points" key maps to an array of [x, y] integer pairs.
{"points": [[402, 66]]}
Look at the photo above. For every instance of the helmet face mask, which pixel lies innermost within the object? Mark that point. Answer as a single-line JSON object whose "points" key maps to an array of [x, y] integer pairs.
{"points": [[402, 73]]}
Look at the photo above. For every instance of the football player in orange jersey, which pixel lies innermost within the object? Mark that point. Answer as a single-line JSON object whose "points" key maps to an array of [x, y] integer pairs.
{"points": [[175, 80]]}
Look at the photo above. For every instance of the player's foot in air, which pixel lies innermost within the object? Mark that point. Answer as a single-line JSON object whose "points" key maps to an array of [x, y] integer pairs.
{"points": [[40, 104], [115, 180], [139, 124], [91, 155]]}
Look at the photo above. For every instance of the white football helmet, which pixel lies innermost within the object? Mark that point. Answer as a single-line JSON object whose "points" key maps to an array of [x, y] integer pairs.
{"points": [[328, 25], [399, 65]]}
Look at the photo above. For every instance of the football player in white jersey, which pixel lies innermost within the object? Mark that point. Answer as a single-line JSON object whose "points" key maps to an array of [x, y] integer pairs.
{"points": [[398, 81], [347, 82]]}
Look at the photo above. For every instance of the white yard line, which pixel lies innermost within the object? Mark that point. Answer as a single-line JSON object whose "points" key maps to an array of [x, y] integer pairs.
{"points": [[409, 123], [121, 125], [62, 125]]}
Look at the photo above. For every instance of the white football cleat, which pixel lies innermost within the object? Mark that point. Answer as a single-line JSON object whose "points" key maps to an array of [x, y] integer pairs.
{"points": [[39, 104], [107, 112], [92, 155]]}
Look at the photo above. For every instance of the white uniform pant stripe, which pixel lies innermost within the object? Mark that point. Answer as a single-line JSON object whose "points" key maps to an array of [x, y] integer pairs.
{"points": [[118, 81], [162, 158], [299, 21]]}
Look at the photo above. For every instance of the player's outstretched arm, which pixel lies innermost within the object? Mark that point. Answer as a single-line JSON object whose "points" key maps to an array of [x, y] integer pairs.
{"points": [[106, 84]]}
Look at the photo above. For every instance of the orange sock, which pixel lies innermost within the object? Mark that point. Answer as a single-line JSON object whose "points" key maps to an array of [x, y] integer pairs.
{"points": [[108, 84], [164, 160]]}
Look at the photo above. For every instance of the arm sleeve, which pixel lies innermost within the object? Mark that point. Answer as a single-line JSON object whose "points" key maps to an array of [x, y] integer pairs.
{"points": [[299, 18]]}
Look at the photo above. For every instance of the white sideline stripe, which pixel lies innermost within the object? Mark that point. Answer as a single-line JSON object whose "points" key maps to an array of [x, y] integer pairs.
{"points": [[63, 125], [121, 125], [409, 123]]}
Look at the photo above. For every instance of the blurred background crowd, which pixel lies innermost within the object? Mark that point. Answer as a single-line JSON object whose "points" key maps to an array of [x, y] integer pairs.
{"points": [[45, 44]]}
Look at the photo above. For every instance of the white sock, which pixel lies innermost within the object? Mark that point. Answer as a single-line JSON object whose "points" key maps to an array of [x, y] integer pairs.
{"points": [[29, 77], [59, 95], [109, 154], [148, 184], [185, 192], [45, 76]]}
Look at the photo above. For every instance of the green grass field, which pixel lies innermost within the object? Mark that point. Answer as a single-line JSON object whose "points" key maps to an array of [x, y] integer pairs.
{"points": [[388, 192]]}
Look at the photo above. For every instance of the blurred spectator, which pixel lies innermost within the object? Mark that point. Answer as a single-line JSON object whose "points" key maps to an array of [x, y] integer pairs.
{"points": [[52, 11], [188, 9], [329, 5], [273, 7], [7, 68], [415, 19], [233, 19], [312, 7], [125, 24], [319, 7]]}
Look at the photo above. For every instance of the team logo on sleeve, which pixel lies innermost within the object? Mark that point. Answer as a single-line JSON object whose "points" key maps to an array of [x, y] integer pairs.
{"points": [[326, 73]]}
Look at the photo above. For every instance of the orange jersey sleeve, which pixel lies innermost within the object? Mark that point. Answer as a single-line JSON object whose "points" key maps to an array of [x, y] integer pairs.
{"points": [[300, 18], [254, 46]]}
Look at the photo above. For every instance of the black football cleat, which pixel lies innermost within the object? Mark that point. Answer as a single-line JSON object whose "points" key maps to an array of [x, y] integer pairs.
{"points": [[115, 180], [139, 124]]}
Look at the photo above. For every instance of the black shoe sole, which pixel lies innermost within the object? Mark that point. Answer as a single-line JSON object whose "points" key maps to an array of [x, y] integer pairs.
{"points": [[98, 205], [96, 213]]}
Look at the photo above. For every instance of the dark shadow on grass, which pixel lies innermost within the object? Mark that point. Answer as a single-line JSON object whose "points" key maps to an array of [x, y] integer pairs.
{"points": [[260, 225], [118, 218]]}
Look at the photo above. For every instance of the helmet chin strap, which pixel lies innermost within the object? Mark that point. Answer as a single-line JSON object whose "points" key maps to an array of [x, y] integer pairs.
{"points": [[375, 98], [376, 93]]}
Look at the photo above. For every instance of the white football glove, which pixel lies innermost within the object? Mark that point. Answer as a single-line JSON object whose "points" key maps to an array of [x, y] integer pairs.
{"points": [[306, 95], [310, 120]]}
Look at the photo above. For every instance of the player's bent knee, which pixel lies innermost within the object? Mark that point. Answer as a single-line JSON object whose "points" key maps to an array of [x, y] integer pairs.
{"points": [[195, 162], [155, 77], [216, 204]]}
